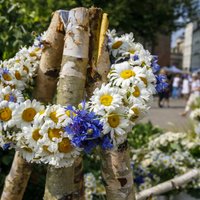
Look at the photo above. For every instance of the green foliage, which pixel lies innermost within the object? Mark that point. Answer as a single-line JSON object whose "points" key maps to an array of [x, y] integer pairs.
{"points": [[5, 163], [141, 133], [20, 19]]}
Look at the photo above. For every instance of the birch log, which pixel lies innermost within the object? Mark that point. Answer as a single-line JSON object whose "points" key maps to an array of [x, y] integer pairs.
{"points": [[50, 60], [67, 183], [116, 171], [17, 179], [117, 174], [99, 56], [167, 186]]}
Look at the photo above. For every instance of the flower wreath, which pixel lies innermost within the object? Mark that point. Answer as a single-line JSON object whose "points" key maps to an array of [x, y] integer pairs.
{"points": [[56, 134]]}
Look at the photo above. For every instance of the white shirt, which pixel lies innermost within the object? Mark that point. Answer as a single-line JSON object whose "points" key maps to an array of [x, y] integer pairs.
{"points": [[194, 86], [176, 82], [185, 87]]}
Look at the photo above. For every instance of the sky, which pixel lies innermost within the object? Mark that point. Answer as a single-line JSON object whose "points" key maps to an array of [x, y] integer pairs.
{"points": [[176, 35]]}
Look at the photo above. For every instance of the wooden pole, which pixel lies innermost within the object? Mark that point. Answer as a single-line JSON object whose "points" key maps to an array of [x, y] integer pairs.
{"points": [[116, 171], [67, 183], [17, 179], [167, 186]]}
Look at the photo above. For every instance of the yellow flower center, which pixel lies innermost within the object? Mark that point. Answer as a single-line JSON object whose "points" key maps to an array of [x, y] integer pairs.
{"points": [[45, 148], [7, 77], [54, 117], [41, 112], [36, 135], [117, 44], [68, 113], [5, 114], [17, 61], [25, 68], [18, 75], [113, 120], [65, 146], [28, 114], [28, 149], [132, 51], [136, 93], [144, 80], [106, 100], [32, 54], [143, 64], [54, 133], [136, 111], [126, 74]]}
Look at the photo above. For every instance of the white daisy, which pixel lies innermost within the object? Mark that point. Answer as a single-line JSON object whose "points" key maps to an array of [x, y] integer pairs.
{"points": [[195, 115], [25, 113], [7, 77], [7, 110], [148, 79], [52, 113], [137, 93], [115, 123], [124, 75], [26, 152], [137, 112], [12, 95], [106, 99], [55, 147]]}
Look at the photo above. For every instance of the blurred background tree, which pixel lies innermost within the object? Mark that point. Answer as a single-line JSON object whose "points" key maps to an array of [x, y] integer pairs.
{"points": [[20, 19]]}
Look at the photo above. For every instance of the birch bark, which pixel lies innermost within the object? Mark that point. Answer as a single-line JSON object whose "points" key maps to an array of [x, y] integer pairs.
{"points": [[17, 179], [116, 171], [67, 183], [167, 186]]}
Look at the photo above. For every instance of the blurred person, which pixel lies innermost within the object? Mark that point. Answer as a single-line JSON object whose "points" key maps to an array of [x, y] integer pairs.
{"points": [[185, 87], [164, 95], [194, 94], [176, 86]]}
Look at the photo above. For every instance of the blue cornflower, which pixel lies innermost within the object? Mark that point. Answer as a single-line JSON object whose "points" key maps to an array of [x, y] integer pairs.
{"points": [[38, 42], [6, 146], [86, 130], [135, 57], [155, 66], [106, 143], [12, 98], [139, 180]]}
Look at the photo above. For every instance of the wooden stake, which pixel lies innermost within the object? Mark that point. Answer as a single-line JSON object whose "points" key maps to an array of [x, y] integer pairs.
{"points": [[116, 170], [70, 91], [17, 179], [117, 174]]}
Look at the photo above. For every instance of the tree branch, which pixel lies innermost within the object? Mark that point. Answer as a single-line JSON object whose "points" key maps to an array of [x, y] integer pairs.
{"points": [[167, 186]]}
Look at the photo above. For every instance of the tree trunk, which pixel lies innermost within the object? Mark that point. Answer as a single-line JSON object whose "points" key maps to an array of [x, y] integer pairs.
{"points": [[17, 179], [117, 174], [67, 183]]}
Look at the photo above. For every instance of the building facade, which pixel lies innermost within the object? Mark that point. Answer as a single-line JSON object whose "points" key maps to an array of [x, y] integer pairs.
{"points": [[195, 56], [187, 49]]}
